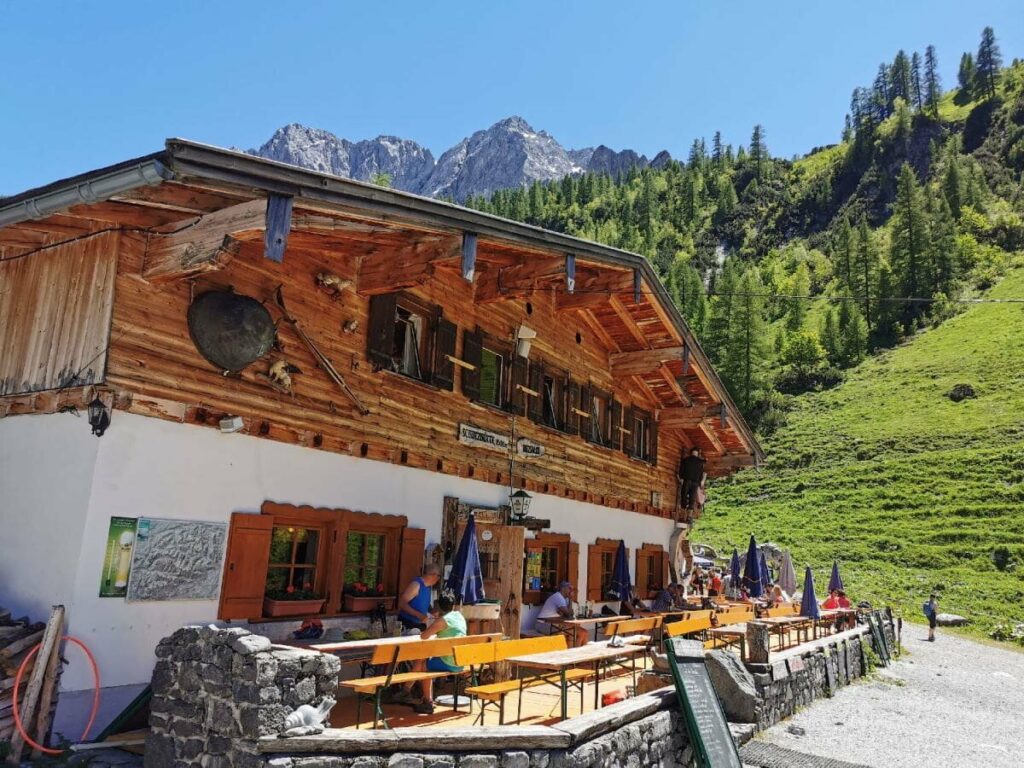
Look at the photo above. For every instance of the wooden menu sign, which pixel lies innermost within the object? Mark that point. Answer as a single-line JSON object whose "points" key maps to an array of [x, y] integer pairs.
{"points": [[712, 741]]}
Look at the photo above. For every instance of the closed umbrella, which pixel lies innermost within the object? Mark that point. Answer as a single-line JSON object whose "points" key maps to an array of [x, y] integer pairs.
{"points": [[787, 575], [766, 575], [466, 581], [734, 570], [809, 606], [835, 582], [621, 587], [752, 571]]}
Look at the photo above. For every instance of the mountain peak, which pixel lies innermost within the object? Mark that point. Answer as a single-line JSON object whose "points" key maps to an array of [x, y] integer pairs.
{"points": [[508, 154]]}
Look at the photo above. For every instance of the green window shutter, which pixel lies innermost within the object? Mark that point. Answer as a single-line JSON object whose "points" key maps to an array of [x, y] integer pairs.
{"points": [[472, 353], [443, 375], [380, 333]]}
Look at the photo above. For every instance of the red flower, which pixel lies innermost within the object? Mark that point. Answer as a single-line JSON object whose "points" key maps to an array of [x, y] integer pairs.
{"points": [[307, 585], [290, 589], [380, 588]]}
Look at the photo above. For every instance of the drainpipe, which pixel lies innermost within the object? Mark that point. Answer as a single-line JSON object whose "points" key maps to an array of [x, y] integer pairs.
{"points": [[88, 191]]}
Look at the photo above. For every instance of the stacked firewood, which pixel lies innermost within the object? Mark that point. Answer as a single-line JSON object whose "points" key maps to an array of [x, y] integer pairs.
{"points": [[37, 695]]}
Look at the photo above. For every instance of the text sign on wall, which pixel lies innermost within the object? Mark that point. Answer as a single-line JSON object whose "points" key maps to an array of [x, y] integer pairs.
{"points": [[528, 448], [481, 438]]}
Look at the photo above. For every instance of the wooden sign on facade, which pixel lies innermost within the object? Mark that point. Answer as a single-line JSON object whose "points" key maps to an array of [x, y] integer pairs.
{"points": [[482, 438], [527, 448]]}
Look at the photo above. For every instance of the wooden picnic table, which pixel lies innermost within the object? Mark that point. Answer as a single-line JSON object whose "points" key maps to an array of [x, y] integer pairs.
{"points": [[592, 653], [782, 625], [828, 617], [732, 631], [594, 621]]}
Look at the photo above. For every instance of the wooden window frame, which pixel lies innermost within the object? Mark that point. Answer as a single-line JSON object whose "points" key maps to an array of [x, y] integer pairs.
{"points": [[595, 553], [505, 351], [381, 340], [642, 449], [650, 558], [334, 526], [556, 420], [568, 563], [323, 545]]}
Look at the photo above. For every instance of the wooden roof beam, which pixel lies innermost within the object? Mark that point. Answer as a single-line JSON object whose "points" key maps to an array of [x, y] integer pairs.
{"points": [[709, 433], [388, 269], [681, 417], [627, 320], [599, 332], [721, 465], [643, 361], [594, 289], [517, 281], [674, 385]]}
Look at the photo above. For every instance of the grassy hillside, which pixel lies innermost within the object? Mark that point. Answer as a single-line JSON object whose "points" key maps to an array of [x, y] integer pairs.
{"points": [[909, 490]]}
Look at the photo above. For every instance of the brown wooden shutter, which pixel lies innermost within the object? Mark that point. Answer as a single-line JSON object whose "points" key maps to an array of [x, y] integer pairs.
{"points": [[380, 333], [643, 569], [629, 435], [594, 573], [472, 353], [572, 573], [410, 561], [245, 566], [614, 436], [571, 424], [517, 398], [663, 558], [587, 406], [535, 404], [443, 374]]}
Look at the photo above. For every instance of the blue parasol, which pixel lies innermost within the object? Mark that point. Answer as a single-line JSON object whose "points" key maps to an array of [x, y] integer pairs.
{"points": [[766, 574], [734, 570], [621, 587], [835, 582], [809, 606], [752, 571], [466, 581]]}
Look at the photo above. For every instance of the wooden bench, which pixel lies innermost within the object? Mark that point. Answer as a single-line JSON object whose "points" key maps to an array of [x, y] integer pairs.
{"points": [[391, 655], [786, 609], [689, 626], [494, 694], [635, 631]]}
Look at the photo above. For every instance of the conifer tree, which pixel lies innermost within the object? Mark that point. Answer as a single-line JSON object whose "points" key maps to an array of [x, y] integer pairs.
{"points": [[720, 310], [865, 269], [716, 149], [910, 241], [689, 293], [965, 76], [747, 350], [881, 98], [844, 255], [887, 330], [758, 151], [932, 84], [696, 158], [952, 186], [854, 338], [944, 247], [799, 286], [917, 91], [900, 79], [830, 338], [988, 63]]}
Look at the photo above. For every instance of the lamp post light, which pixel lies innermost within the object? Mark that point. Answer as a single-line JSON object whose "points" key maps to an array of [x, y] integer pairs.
{"points": [[99, 418], [520, 503]]}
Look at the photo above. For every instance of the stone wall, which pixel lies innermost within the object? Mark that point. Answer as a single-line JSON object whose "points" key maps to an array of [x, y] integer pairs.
{"points": [[217, 691]]}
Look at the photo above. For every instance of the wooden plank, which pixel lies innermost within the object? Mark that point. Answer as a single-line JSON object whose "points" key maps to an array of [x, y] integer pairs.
{"points": [[389, 270], [639, 362], [681, 417], [47, 699], [517, 281], [709, 433], [50, 641], [203, 247], [628, 322], [674, 385], [278, 226], [468, 256]]}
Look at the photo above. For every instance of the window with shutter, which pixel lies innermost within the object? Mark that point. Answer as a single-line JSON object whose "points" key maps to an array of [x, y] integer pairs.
{"points": [[651, 571], [583, 412], [600, 567], [548, 564], [653, 441], [472, 353], [443, 375], [380, 334], [568, 418], [410, 560]]}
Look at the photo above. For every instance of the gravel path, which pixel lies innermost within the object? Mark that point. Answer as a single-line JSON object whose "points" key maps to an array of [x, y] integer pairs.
{"points": [[953, 702]]}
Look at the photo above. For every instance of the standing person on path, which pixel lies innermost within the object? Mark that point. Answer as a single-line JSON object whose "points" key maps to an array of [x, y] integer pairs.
{"points": [[931, 610]]}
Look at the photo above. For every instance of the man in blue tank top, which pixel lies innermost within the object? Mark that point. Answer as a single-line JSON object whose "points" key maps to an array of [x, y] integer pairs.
{"points": [[415, 601]]}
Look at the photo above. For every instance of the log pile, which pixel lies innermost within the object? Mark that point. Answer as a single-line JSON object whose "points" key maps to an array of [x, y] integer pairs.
{"points": [[37, 696]]}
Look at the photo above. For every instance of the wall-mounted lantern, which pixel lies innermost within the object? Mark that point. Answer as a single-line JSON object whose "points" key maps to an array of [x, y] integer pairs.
{"points": [[520, 503], [99, 417]]}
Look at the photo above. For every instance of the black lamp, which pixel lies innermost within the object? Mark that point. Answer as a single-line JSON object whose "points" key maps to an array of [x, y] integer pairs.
{"points": [[99, 419], [520, 503]]}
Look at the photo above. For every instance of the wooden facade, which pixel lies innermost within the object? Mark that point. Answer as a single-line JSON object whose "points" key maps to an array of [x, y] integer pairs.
{"points": [[602, 326]]}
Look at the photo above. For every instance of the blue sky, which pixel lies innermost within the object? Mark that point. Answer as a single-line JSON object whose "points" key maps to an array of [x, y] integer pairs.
{"points": [[89, 84]]}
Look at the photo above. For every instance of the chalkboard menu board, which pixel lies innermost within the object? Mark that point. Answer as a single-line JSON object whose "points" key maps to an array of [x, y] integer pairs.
{"points": [[705, 720]]}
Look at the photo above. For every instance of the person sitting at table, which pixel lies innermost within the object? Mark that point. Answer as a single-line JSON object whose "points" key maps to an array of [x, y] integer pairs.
{"points": [[697, 581], [445, 622], [632, 607], [414, 602], [556, 609], [665, 599], [778, 596], [844, 601], [832, 602]]}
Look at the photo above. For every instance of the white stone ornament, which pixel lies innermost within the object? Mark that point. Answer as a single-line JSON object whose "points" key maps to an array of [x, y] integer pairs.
{"points": [[307, 720]]}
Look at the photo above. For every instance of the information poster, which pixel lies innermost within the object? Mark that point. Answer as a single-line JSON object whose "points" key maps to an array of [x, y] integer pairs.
{"points": [[117, 561], [534, 561]]}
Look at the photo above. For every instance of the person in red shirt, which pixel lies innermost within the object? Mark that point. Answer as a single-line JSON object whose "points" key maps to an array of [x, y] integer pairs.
{"points": [[844, 601], [715, 585], [832, 602]]}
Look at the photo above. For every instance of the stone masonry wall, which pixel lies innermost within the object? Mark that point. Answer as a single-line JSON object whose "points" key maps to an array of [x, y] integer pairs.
{"points": [[216, 691]]}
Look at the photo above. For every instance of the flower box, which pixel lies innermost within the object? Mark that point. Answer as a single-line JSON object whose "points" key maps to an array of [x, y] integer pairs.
{"points": [[278, 608], [358, 603]]}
